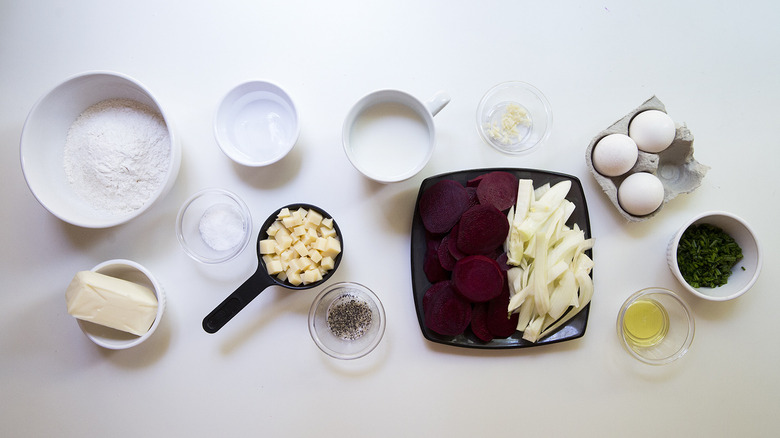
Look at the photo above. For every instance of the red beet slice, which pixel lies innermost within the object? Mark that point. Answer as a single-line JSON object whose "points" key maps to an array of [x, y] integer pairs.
{"points": [[474, 182], [452, 244], [479, 316], [442, 204], [446, 312], [446, 259], [434, 289], [434, 272], [498, 189], [482, 229], [499, 323], [503, 261], [473, 199], [478, 278]]}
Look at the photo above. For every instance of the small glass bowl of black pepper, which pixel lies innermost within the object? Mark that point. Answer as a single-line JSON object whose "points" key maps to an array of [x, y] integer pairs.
{"points": [[347, 320]]}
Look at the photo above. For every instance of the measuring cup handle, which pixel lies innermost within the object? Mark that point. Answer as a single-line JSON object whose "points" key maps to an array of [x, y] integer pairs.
{"points": [[236, 301], [439, 101]]}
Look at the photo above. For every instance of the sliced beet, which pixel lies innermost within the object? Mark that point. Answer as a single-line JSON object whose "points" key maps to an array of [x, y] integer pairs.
{"points": [[482, 229], [479, 316], [498, 189], [474, 182], [473, 199], [446, 259], [452, 244], [446, 312], [478, 278], [442, 204], [434, 272], [499, 322], [434, 289], [503, 261]]}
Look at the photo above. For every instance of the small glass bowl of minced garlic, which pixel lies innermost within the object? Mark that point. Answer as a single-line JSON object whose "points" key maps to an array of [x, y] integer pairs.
{"points": [[514, 117], [347, 320]]}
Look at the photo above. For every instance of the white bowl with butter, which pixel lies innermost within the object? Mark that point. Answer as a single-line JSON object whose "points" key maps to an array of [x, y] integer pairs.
{"points": [[123, 307]]}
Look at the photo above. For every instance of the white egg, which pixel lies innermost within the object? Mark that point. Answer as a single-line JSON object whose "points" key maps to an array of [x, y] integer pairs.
{"points": [[652, 130], [614, 155], [641, 193]]}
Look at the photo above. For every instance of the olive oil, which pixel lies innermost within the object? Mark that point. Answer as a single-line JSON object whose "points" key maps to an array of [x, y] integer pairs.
{"points": [[645, 323]]}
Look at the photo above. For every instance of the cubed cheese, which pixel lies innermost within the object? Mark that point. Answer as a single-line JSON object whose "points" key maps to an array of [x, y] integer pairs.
{"points": [[268, 246], [327, 232], [332, 247], [301, 249], [314, 218], [327, 263], [274, 267], [283, 238], [296, 251]]}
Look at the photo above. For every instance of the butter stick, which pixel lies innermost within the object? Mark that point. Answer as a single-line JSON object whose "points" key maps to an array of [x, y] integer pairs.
{"points": [[111, 302]]}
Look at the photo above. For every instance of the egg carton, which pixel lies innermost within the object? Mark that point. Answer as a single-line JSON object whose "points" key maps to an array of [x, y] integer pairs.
{"points": [[675, 166]]}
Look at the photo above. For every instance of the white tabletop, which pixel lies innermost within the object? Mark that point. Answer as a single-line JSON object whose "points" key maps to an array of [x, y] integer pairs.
{"points": [[714, 66]]}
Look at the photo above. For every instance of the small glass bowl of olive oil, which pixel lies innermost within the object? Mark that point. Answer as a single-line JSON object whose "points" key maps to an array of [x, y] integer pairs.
{"points": [[655, 326]]}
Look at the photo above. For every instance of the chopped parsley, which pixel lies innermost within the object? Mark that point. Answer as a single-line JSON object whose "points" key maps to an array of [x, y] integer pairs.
{"points": [[706, 254]]}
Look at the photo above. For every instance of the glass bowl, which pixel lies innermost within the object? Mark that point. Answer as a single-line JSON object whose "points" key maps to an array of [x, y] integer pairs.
{"points": [[655, 326], [743, 275], [347, 320], [514, 117], [213, 226]]}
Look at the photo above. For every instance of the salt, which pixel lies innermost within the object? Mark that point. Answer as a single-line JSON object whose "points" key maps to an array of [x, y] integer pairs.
{"points": [[222, 227]]}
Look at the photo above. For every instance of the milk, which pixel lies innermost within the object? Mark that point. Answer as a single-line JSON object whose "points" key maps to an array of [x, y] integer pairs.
{"points": [[390, 139]]}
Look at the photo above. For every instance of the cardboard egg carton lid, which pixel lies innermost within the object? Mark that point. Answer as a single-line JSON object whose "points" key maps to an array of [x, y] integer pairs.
{"points": [[675, 166]]}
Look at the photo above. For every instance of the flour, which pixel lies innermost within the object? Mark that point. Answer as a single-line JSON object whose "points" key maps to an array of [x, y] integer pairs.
{"points": [[117, 154]]}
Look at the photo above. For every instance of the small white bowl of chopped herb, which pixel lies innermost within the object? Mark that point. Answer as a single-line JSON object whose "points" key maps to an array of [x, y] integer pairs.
{"points": [[715, 256]]}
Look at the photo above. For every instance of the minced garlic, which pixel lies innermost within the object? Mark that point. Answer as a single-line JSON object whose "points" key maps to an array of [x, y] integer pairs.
{"points": [[506, 131]]}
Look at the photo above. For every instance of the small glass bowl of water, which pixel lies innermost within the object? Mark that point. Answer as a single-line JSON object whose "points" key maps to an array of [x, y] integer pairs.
{"points": [[655, 326], [514, 117]]}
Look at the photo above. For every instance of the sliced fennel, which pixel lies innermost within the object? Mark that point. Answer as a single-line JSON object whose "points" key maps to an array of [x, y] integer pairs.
{"points": [[549, 282]]}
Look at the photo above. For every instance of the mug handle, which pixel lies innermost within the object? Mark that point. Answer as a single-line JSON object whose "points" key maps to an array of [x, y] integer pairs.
{"points": [[437, 102]]}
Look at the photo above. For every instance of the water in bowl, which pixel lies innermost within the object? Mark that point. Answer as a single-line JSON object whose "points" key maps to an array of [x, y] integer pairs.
{"points": [[263, 126]]}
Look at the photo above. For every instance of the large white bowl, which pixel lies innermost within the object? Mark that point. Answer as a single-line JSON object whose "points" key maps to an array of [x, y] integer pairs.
{"points": [[43, 141], [745, 272]]}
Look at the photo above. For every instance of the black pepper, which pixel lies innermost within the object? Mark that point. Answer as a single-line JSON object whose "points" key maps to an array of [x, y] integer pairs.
{"points": [[349, 318]]}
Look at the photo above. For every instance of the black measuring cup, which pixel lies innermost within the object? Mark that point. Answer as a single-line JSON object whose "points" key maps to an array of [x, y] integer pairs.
{"points": [[261, 279]]}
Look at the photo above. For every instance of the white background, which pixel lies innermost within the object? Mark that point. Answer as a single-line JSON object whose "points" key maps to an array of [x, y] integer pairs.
{"points": [[715, 66]]}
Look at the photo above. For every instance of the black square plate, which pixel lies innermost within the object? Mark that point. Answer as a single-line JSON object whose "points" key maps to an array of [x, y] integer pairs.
{"points": [[573, 329]]}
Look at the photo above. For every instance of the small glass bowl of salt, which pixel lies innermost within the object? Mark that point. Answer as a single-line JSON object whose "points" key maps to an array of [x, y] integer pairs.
{"points": [[214, 226]]}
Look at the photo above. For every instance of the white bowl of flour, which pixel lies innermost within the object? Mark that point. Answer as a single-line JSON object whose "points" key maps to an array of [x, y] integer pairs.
{"points": [[98, 150]]}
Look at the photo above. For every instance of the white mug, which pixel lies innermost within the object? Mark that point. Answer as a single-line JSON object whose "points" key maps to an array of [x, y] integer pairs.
{"points": [[389, 135]]}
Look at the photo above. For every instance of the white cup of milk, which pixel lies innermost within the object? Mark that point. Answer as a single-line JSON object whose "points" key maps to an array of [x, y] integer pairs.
{"points": [[389, 135]]}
